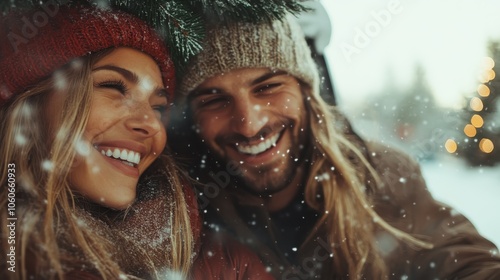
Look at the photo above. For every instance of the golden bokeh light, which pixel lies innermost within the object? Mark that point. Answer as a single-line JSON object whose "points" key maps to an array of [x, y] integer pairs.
{"points": [[477, 121], [483, 90], [451, 146], [490, 74], [483, 77], [476, 104], [486, 145], [488, 63], [470, 130]]}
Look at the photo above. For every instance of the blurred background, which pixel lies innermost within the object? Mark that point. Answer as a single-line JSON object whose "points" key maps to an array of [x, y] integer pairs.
{"points": [[422, 76]]}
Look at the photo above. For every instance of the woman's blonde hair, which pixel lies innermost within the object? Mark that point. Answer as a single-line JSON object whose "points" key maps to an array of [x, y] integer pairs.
{"points": [[50, 217], [348, 217]]}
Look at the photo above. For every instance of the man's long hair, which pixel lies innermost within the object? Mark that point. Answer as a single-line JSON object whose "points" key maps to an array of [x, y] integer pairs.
{"points": [[348, 217]]}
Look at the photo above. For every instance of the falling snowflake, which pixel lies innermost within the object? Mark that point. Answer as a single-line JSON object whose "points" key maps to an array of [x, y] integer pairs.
{"points": [[146, 84], [82, 148], [47, 165], [20, 139], [386, 243], [322, 177], [171, 275], [61, 82]]}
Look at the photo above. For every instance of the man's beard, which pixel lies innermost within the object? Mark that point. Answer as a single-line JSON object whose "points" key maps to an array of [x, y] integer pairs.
{"points": [[266, 181]]}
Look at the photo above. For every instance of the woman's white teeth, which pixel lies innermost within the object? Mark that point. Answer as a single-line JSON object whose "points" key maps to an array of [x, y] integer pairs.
{"points": [[129, 157], [259, 148]]}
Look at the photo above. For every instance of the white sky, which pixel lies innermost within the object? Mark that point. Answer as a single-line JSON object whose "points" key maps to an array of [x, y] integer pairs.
{"points": [[447, 37]]}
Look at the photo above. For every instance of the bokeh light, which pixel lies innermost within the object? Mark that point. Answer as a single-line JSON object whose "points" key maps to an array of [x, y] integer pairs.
{"points": [[486, 145], [470, 130], [483, 90], [450, 146], [477, 121], [488, 63], [490, 74], [476, 104]]}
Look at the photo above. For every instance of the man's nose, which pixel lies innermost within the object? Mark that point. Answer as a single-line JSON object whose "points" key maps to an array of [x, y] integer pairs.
{"points": [[248, 117]]}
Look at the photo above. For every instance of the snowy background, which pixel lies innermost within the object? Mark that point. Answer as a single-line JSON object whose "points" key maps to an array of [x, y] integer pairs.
{"points": [[447, 39], [474, 192]]}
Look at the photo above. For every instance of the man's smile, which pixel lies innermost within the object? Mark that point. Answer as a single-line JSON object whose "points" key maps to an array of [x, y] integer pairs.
{"points": [[257, 148]]}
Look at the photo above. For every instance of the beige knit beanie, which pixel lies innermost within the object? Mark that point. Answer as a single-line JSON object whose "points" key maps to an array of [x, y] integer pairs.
{"points": [[279, 45]]}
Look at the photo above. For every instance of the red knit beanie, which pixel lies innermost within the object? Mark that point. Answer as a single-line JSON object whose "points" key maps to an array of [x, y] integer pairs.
{"points": [[34, 44]]}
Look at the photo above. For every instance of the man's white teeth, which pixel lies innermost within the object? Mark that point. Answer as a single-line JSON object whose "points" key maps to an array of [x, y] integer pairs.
{"points": [[259, 148], [129, 157]]}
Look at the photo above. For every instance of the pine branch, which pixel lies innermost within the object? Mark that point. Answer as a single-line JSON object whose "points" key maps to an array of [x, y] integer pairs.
{"points": [[181, 22], [252, 11], [181, 29]]}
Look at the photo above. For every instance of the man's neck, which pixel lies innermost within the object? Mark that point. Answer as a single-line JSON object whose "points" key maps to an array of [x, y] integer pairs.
{"points": [[281, 199]]}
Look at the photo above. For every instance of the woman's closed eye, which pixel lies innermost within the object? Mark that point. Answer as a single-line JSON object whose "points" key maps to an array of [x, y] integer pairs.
{"points": [[118, 85]]}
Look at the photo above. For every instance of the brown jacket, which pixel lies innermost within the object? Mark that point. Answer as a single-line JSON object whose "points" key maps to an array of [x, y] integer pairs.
{"points": [[402, 200]]}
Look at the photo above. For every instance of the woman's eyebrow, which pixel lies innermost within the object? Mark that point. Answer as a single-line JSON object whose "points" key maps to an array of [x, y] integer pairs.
{"points": [[131, 77], [128, 75]]}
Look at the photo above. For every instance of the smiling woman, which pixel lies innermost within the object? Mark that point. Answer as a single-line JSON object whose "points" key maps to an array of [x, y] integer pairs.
{"points": [[82, 134], [124, 133]]}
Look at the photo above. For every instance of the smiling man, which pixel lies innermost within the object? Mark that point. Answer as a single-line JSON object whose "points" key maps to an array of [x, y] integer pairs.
{"points": [[255, 117], [284, 173]]}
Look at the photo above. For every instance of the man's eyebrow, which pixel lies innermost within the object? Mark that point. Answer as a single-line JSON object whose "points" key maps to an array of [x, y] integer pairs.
{"points": [[130, 76], [162, 92], [268, 76], [204, 91], [214, 90]]}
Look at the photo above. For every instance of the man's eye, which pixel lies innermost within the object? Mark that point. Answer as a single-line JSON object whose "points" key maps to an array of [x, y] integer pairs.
{"points": [[211, 103], [267, 87], [160, 110]]}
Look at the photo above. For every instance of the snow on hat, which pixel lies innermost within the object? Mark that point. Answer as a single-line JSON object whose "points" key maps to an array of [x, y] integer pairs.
{"points": [[279, 45], [34, 44]]}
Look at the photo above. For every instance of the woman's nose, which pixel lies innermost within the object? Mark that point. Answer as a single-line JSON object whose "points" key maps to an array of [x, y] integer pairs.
{"points": [[142, 120]]}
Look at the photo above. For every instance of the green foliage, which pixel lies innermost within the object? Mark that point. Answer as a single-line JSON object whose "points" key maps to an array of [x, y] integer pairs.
{"points": [[181, 22], [225, 11], [176, 23]]}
